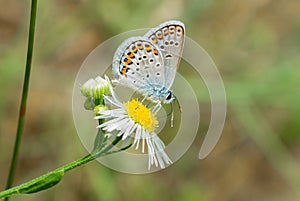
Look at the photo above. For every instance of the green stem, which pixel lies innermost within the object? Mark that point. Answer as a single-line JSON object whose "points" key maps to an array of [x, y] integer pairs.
{"points": [[52, 178], [108, 147], [24, 95]]}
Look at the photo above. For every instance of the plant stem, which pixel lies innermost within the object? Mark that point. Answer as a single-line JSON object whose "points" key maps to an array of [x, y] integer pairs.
{"points": [[24, 95]]}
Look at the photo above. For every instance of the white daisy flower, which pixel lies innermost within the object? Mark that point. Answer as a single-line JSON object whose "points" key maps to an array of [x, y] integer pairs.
{"points": [[134, 119]]}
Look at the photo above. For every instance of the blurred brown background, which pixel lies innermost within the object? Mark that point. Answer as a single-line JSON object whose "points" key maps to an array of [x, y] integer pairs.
{"points": [[255, 45]]}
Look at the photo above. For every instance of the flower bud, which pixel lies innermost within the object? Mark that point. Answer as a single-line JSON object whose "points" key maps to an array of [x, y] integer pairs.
{"points": [[95, 90]]}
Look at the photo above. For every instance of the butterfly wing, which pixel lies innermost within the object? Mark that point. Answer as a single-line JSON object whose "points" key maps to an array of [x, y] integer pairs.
{"points": [[169, 39], [138, 64]]}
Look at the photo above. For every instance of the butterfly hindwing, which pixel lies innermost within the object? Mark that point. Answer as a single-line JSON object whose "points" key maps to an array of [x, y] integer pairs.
{"points": [[169, 39]]}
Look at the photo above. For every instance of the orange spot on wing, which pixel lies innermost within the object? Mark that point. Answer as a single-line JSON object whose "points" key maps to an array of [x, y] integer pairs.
{"points": [[131, 55], [155, 51], [140, 47], [124, 70], [128, 62], [148, 49]]}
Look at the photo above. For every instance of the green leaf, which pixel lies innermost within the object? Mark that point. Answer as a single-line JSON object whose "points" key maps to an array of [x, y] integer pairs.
{"points": [[42, 183]]}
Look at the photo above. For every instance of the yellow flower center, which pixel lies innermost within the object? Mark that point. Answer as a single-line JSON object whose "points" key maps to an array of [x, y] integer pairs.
{"points": [[141, 114]]}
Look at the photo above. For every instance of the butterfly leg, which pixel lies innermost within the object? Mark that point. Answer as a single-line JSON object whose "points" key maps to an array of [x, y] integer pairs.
{"points": [[144, 98], [179, 106], [141, 102], [172, 115], [156, 108]]}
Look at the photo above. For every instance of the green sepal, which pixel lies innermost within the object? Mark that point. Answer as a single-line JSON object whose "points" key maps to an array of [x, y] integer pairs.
{"points": [[98, 142], [89, 104], [98, 109]]}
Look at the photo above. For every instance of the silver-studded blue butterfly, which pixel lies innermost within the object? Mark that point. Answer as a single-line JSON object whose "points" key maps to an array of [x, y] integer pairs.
{"points": [[148, 63]]}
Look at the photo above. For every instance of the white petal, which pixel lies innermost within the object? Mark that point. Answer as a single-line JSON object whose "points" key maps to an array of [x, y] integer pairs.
{"points": [[130, 126], [113, 94], [127, 126], [137, 136], [118, 125], [116, 120], [151, 153], [144, 135], [161, 155], [113, 112], [112, 101], [106, 114]]}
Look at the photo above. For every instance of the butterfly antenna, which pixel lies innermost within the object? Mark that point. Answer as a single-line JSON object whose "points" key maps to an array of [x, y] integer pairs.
{"points": [[179, 106]]}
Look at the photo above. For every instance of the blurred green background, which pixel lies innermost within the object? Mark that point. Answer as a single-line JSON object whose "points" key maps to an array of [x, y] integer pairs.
{"points": [[256, 46]]}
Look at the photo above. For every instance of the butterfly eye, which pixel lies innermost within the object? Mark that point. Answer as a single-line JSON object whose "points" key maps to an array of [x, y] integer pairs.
{"points": [[169, 97]]}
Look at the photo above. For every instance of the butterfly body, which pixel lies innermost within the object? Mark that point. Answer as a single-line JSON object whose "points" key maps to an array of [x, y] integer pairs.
{"points": [[148, 63], [159, 94]]}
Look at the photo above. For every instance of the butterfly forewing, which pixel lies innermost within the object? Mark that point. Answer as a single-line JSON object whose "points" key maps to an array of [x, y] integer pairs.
{"points": [[169, 39], [139, 64]]}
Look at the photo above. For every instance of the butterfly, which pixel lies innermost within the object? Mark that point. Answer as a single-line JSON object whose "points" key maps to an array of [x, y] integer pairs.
{"points": [[148, 63]]}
